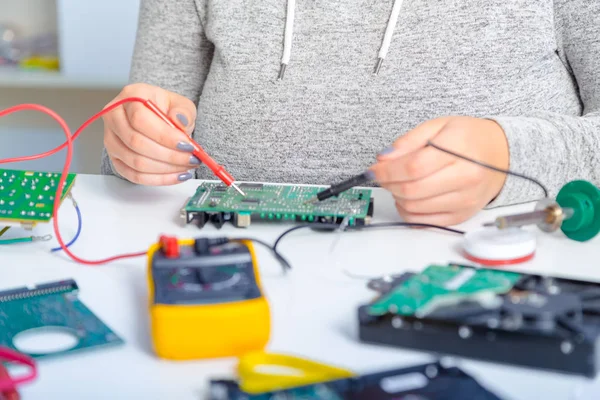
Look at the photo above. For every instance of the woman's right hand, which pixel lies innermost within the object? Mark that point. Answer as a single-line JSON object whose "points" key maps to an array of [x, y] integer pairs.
{"points": [[142, 147]]}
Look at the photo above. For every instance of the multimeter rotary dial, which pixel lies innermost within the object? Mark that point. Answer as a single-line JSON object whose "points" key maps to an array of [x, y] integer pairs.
{"points": [[205, 275], [207, 278]]}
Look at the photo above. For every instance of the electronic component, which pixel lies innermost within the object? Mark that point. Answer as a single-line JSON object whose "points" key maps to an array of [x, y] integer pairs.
{"points": [[576, 212], [205, 298], [251, 201], [27, 197], [218, 204], [52, 305], [499, 316], [493, 246], [423, 382]]}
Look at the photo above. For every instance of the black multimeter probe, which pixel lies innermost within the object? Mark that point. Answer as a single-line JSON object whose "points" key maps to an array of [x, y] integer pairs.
{"points": [[335, 190]]}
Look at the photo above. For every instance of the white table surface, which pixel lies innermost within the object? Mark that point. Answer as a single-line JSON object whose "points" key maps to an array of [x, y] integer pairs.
{"points": [[313, 307]]}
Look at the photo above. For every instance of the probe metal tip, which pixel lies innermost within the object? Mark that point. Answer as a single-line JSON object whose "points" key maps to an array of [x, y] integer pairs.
{"points": [[238, 189], [378, 66], [311, 201], [489, 224], [281, 72]]}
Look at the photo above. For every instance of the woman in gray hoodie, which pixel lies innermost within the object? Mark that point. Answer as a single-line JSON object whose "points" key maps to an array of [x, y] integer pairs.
{"points": [[315, 91]]}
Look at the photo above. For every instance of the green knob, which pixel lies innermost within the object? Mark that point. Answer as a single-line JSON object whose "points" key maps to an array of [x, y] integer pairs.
{"points": [[584, 198]]}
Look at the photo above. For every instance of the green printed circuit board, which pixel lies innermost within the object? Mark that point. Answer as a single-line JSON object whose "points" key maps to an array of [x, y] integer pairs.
{"points": [[440, 286], [27, 197], [217, 203], [51, 307]]}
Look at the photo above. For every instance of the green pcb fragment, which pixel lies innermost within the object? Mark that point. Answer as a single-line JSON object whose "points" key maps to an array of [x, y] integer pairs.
{"points": [[28, 196], [443, 285]]}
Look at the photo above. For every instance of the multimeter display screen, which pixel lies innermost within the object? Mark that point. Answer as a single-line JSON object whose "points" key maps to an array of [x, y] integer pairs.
{"points": [[226, 274]]}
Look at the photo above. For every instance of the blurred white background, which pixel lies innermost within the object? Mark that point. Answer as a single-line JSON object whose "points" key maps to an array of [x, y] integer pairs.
{"points": [[93, 42]]}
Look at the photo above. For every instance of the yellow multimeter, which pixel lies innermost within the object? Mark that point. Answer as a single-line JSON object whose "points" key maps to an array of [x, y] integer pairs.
{"points": [[206, 299]]}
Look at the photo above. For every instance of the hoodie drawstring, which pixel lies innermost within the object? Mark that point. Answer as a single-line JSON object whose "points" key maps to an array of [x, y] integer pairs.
{"points": [[289, 34], [389, 33]]}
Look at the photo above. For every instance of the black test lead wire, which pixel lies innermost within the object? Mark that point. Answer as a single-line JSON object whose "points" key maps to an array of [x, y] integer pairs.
{"points": [[504, 171], [358, 180], [331, 227], [368, 176]]}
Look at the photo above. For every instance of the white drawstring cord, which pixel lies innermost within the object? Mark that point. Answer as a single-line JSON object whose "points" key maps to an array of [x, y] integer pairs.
{"points": [[288, 36], [389, 32]]}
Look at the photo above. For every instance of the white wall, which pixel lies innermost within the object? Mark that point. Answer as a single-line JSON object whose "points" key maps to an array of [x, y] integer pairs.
{"points": [[33, 16], [80, 91], [105, 27], [30, 133]]}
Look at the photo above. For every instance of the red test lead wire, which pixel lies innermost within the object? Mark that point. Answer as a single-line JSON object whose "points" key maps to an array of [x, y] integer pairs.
{"points": [[61, 184], [199, 152], [8, 384]]}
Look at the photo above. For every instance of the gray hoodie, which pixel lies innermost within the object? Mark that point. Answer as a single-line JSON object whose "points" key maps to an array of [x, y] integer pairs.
{"points": [[531, 65]]}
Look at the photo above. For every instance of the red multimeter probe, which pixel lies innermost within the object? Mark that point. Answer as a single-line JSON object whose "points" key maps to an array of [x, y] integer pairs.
{"points": [[199, 152]]}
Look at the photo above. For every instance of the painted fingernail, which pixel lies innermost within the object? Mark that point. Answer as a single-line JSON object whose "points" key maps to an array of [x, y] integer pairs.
{"points": [[194, 160], [183, 119], [184, 177], [386, 151], [370, 175], [183, 146]]}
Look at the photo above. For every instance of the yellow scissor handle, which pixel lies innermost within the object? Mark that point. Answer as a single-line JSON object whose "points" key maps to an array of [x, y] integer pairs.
{"points": [[302, 372]]}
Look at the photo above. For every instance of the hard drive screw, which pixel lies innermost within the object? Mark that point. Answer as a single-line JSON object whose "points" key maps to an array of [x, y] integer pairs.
{"points": [[493, 323], [397, 322], [418, 326], [218, 392], [431, 372], [464, 332], [448, 362], [566, 347]]}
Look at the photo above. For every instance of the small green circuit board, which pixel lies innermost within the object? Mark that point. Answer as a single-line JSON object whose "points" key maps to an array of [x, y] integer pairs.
{"points": [[218, 203], [440, 286], [51, 307], [27, 197]]}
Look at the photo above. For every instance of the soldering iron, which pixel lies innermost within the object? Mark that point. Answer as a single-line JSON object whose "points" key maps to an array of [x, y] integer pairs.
{"points": [[199, 152], [576, 212]]}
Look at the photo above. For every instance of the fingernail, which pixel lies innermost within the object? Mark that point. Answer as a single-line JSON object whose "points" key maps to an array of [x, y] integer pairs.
{"points": [[183, 146], [370, 175], [184, 177], [183, 119], [386, 151], [194, 160]]}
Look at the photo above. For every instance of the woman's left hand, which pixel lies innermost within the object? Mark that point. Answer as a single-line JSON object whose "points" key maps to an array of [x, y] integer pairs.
{"points": [[434, 187]]}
